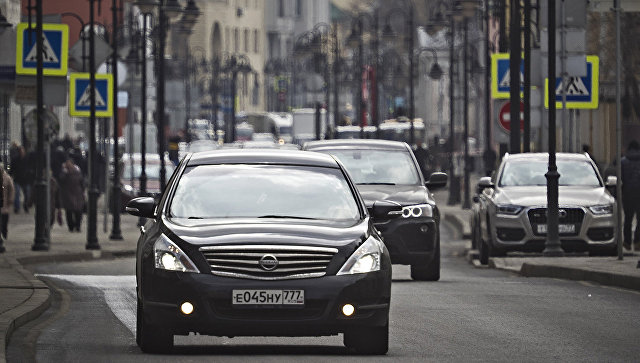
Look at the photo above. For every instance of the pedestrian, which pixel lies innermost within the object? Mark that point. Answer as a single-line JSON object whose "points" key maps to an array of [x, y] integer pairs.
{"points": [[72, 194], [630, 165], [22, 173], [7, 201]]}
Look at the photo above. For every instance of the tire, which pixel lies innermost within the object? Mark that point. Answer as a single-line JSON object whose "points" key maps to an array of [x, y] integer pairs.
{"points": [[150, 338], [370, 340], [611, 251], [483, 252], [430, 271]]}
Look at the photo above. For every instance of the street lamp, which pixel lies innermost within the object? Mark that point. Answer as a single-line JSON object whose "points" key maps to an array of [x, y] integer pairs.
{"points": [[167, 9], [189, 18], [235, 64], [389, 35]]}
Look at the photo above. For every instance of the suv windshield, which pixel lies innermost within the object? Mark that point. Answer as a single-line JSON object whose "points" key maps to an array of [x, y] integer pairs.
{"points": [[263, 191], [378, 166], [530, 172]]}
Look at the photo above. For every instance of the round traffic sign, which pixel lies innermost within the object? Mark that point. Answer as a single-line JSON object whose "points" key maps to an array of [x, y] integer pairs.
{"points": [[505, 116]]}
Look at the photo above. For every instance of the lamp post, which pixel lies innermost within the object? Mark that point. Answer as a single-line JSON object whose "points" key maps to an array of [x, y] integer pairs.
{"points": [[235, 64], [388, 33], [188, 20], [166, 9], [116, 233]]}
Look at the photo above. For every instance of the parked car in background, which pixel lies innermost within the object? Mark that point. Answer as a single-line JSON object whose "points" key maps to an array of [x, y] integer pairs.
{"points": [[388, 170], [511, 214], [131, 171], [262, 243]]}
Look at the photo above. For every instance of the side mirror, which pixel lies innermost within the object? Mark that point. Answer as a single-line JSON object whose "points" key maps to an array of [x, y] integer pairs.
{"points": [[141, 207], [437, 180], [382, 209], [483, 183], [612, 181]]}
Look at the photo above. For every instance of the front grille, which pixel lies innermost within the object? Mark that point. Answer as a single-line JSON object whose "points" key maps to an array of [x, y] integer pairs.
{"points": [[244, 261], [573, 215], [311, 309], [510, 234]]}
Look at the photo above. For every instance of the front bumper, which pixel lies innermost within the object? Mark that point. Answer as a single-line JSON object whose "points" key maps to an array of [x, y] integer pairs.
{"points": [[165, 291], [521, 232], [410, 241]]}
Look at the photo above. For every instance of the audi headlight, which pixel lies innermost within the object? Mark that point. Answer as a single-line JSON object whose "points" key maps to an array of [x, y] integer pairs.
{"points": [[601, 210], [170, 257], [418, 210], [366, 258], [509, 210]]}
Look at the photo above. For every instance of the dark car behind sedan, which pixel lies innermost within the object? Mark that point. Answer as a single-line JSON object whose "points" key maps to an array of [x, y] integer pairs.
{"points": [[261, 243], [388, 170]]}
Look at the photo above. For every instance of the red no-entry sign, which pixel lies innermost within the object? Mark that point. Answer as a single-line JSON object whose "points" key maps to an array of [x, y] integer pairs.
{"points": [[505, 116]]}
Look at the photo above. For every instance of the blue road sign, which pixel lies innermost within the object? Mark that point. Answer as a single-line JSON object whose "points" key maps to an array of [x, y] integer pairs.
{"points": [[581, 92], [501, 77], [54, 49], [80, 95]]}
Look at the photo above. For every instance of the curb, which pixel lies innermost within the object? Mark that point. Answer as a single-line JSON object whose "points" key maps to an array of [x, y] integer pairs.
{"points": [[457, 224], [30, 309], [40, 299], [568, 273]]}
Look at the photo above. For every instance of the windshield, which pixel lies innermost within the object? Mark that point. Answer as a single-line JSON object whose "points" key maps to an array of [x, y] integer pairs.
{"points": [[378, 166], [267, 191], [529, 173]]}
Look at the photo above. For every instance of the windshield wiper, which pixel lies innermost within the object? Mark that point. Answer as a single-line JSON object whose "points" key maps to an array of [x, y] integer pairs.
{"points": [[375, 183], [283, 216]]}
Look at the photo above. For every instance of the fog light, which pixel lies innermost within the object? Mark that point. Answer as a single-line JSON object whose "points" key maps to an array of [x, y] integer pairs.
{"points": [[348, 310], [186, 308], [424, 228]]}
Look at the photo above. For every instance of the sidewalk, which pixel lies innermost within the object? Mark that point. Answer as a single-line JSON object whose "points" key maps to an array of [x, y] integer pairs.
{"points": [[603, 270], [22, 296]]}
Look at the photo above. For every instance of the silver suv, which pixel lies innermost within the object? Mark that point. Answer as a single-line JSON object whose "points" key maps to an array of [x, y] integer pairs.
{"points": [[511, 209]]}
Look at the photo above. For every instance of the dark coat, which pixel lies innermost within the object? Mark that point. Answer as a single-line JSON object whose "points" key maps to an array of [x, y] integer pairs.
{"points": [[72, 188], [631, 174]]}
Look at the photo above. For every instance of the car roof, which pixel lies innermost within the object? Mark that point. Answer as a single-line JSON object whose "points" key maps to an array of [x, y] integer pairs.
{"points": [[355, 144], [262, 156], [545, 156]]}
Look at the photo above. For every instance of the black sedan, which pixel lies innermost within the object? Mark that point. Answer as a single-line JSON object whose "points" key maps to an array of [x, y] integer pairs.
{"points": [[262, 243], [388, 170]]}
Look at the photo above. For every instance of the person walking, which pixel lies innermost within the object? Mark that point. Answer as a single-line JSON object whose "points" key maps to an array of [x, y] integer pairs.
{"points": [[72, 194], [7, 201], [630, 165]]}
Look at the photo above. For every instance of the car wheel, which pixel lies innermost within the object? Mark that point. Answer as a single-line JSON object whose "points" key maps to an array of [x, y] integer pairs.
{"points": [[483, 252], [151, 339], [610, 251], [430, 271], [368, 340]]}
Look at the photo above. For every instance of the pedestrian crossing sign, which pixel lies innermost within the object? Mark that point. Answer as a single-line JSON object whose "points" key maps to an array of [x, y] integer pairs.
{"points": [[80, 95], [501, 76], [55, 49], [581, 92]]}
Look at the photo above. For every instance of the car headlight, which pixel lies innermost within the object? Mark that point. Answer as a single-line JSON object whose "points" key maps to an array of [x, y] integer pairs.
{"points": [[170, 257], [509, 210], [366, 258], [601, 210], [128, 188], [418, 210]]}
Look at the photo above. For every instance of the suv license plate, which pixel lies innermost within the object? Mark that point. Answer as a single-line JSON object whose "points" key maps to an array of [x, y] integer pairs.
{"points": [[562, 228], [267, 297]]}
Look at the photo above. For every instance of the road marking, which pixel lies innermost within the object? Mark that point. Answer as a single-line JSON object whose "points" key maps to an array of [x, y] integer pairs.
{"points": [[119, 293]]}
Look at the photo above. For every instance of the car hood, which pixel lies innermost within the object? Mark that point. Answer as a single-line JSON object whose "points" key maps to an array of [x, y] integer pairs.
{"points": [[403, 194], [267, 231], [567, 196]]}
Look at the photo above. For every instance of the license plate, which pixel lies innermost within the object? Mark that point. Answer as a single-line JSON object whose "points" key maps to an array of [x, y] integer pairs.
{"points": [[562, 228], [267, 297]]}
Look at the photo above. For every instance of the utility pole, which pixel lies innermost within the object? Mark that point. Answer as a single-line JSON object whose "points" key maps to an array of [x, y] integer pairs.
{"points": [[514, 74], [527, 77], [116, 234], [92, 209]]}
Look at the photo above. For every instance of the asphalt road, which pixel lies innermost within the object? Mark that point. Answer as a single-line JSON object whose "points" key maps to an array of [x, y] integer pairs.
{"points": [[471, 314]]}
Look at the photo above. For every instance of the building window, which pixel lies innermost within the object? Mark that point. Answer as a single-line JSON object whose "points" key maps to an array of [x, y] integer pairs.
{"points": [[298, 7], [227, 39], [256, 41], [236, 40], [281, 8], [246, 40]]}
